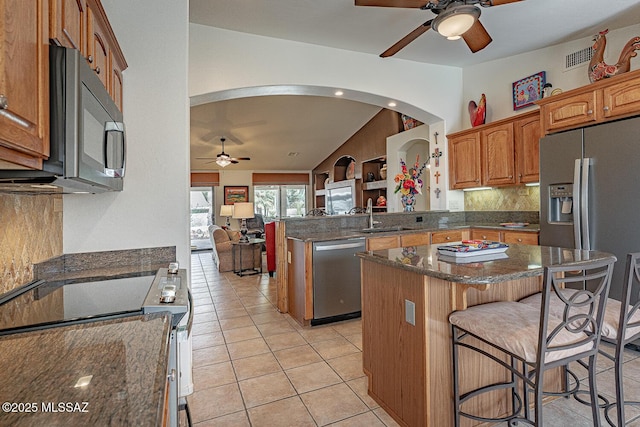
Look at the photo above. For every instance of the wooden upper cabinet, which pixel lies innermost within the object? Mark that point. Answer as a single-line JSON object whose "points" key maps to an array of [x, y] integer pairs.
{"points": [[103, 51], [68, 24], [621, 99], [464, 161], [98, 51], [608, 99], [571, 112], [527, 138], [498, 155], [24, 82]]}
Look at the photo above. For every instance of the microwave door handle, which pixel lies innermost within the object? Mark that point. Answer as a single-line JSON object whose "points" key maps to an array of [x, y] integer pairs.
{"points": [[115, 127]]}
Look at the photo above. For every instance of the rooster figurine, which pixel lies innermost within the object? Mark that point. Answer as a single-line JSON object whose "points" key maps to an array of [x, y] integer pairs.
{"points": [[599, 70], [477, 113]]}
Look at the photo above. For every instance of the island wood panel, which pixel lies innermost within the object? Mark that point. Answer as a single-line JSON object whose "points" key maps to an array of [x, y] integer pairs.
{"points": [[409, 367], [396, 378]]}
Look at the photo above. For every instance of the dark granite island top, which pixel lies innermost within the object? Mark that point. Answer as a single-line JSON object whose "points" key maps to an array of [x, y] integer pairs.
{"points": [[518, 261], [126, 360]]}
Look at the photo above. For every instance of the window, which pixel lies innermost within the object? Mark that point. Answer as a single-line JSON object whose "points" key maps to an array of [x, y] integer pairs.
{"points": [[280, 201], [201, 217]]}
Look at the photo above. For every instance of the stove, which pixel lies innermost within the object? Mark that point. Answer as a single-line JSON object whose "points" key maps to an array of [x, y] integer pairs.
{"points": [[48, 303]]}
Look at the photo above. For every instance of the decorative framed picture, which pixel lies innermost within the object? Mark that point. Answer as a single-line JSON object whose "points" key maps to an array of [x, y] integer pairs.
{"points": [[233, 194], [528, 90]]}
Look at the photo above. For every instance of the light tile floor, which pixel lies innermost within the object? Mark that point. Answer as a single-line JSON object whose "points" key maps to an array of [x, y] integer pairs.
{"points": [[253, 366]]}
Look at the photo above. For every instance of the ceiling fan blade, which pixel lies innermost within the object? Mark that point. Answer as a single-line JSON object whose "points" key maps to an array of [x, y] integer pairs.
{"points": [[234, 161], [241, 158], [205, 158], [407, 39], [501, 2], [477, 37], [392, 3]]}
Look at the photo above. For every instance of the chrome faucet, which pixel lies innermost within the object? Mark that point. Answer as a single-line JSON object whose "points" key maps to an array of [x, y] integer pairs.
{"points": [[372, 223]]}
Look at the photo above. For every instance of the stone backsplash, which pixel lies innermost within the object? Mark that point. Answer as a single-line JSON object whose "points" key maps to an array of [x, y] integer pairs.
{"points": [[504, 199], [30, 232]]}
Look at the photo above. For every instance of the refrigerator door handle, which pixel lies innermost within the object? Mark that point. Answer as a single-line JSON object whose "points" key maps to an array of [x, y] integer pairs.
{"points": [[584, 205], [576, 204]]}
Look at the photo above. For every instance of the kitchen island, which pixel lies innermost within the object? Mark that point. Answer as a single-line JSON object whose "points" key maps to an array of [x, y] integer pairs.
{"points": [[407, 296], [110, 372]]}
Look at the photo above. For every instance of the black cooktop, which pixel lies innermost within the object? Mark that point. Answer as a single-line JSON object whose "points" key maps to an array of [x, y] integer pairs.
{"points": [[43, 304]]}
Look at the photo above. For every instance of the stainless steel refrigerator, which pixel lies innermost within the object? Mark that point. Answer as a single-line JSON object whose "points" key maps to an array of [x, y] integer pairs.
{"points": [[590, 191]]}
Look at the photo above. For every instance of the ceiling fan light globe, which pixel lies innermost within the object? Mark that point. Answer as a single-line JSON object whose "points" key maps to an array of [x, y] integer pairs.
{"points": [[455, 21], [454, 38], [223, 161]]}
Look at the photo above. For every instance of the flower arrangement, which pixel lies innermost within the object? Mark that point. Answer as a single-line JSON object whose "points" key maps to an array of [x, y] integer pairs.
{"points": [[409, 182]]}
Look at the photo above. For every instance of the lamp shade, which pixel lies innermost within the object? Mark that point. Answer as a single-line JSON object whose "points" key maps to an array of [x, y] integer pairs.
{"points": [[226, 210], [243, 210]]}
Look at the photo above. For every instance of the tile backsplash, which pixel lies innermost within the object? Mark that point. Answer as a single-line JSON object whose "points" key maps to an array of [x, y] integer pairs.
{"points": [[504, 199], [30, 232]]}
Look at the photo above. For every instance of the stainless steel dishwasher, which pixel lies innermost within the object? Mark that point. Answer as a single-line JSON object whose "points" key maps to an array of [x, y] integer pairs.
{"points": [[336, 280]]}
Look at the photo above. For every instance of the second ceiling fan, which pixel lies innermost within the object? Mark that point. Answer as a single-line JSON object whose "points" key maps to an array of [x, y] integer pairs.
{"points": [[454, 19], [223, 159]]}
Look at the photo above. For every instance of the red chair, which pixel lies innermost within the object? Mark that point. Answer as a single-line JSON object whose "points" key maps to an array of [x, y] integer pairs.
{"points": [[270, 243]]}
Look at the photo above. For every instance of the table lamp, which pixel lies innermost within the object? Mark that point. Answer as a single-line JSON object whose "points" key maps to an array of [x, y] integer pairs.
{"points": [[242, 211], [227, 210]]}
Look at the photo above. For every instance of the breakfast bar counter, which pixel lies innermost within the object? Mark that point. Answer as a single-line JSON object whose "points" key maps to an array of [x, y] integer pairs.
{"points": [[407, 296]]}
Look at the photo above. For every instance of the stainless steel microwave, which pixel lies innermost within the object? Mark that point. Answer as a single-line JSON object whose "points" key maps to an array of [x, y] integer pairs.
{"points": [[88, 143]]}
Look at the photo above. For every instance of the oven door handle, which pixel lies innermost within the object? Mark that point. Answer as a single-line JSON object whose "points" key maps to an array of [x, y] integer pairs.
{"points": [[190, 321]]}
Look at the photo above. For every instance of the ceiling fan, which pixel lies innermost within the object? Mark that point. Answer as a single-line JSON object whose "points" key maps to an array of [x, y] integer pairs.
{"points": [[223, 159], [454, 19]]}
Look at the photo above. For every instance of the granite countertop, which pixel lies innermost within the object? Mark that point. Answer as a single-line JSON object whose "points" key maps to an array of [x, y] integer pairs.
{"points": [[127, 359], [352, 234], [517, 262]]}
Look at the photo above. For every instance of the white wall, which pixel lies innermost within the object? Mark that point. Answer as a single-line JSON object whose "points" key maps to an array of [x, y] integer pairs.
{"points": [[153, 209], [494, 78], [222, 60]]}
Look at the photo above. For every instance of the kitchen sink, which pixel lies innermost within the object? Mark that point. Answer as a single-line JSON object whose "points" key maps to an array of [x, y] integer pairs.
{"points": [[384, 229]]}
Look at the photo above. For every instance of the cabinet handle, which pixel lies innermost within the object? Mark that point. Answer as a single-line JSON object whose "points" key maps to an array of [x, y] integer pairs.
{"points": [[605, 108], [4, 111], [90, 59], [510, 176], [519, 240], [589, 112], [172, 375], [97, 70], [448, 237]]}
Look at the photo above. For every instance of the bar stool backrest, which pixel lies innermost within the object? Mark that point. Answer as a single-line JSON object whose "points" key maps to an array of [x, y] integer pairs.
{"points": [[582, 311]]}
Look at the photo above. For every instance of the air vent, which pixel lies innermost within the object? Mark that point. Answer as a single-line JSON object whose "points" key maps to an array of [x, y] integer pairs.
{"points": [[576, 59]]}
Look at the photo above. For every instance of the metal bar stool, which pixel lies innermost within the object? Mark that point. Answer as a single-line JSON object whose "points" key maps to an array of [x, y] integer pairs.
{"points": [[533, 340], [619, 328]]}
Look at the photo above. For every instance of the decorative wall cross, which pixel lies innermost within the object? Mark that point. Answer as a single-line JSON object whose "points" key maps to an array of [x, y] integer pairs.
{"points": [[437, 176], [436, 155], [437, 191]]}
